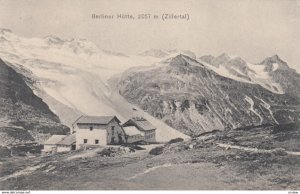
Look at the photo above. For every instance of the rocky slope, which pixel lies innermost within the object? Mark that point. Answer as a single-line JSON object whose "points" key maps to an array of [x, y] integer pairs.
{"points": [[192, 98], [282, 74], [24, 117]]}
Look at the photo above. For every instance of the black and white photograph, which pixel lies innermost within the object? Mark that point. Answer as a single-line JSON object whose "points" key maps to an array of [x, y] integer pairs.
{"points": [[102, 95]]}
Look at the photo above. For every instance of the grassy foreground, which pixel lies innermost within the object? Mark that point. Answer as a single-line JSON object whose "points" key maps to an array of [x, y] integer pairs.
{"points": [[263, 157]]}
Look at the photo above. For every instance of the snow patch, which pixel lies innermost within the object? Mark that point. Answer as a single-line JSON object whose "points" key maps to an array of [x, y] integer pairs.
{"points": [[275, 66], [250, 101], [263, 78], [257, 75], [223, 71], [268, 107]]}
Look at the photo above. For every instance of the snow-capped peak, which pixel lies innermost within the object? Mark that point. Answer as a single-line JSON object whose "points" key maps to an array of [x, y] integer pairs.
{"points": [[154, 53], [223, 58], [7, 35], [207, 58], [53, 39], [183, 52], [235, 67], [5, 30], [76, 45], [273, 63], [273, 59]]}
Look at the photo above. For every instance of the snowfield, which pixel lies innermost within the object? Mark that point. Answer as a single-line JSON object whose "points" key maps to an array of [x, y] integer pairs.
{"points": [[256, 73], [71, 76]]}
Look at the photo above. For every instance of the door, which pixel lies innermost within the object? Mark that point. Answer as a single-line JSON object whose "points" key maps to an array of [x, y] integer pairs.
{"points": [[112, 140], [120, 138]]}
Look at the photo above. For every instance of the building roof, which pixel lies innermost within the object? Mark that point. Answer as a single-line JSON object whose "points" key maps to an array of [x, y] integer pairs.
{"points": [[54, 139], [145, 125], [141, 123], [132, 130], [61, 140], [68, 140], [104, 120]]}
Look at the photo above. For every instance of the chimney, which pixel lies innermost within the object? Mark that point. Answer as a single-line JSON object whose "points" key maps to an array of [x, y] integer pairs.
{"points": [[137, 115]]}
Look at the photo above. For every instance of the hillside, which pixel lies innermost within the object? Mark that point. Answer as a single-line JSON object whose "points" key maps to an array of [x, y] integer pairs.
{"points": [[24, 116], [192, 98]]}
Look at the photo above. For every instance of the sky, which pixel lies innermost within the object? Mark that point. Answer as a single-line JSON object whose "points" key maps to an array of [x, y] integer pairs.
{"points": [[252, 29]]}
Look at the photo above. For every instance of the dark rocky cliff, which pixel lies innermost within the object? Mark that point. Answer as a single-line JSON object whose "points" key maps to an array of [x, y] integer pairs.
{"points": [[24, 117]]}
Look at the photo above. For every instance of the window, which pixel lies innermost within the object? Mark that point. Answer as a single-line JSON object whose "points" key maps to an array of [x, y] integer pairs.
{"points": [[97, 141], [84, 140], [91, 128]]}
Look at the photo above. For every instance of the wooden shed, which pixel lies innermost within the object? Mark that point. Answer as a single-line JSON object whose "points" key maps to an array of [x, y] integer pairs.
{"points": [[148, 130]]}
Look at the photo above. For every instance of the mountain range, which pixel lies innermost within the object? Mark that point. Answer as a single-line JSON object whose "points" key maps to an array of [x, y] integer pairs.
{"points": [[74, 77], [193, 98], [181, 94]]}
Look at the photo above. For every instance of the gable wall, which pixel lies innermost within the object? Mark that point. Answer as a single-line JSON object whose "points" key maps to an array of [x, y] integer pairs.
{"points": [[101, 132]]}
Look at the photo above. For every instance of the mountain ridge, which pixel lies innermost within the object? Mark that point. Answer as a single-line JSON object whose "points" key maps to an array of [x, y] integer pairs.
{"points": [[194, 99]]}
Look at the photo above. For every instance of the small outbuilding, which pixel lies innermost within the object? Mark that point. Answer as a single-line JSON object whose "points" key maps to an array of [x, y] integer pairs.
{"points": [[145, 127], [67, 144], [132, 134], [59, 143]]}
